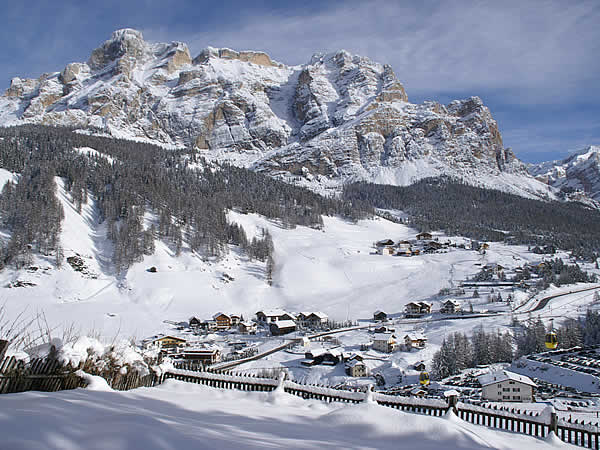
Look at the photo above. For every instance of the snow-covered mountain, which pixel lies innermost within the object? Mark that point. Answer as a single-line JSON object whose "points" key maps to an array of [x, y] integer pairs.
{"points": [[335, 119], [579, 173]]}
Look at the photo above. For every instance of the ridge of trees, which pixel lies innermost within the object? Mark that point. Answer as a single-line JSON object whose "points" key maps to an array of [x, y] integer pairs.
{"points": [[486, 214]]}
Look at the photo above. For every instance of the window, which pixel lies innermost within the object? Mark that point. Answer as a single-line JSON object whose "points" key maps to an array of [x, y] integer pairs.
{"points": [[516, 389], [505, 389], [506, 397], [511, 382], [516, 397]]}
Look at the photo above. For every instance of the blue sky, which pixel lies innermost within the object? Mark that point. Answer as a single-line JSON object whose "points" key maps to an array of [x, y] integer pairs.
{"points": [[536, 64]]}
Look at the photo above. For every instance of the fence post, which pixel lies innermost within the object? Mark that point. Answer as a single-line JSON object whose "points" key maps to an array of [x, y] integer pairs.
{"points": [[3, 348], [452, 399], [554, 422]]}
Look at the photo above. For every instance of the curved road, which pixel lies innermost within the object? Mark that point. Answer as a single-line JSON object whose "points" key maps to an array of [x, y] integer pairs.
{"points": [[544, 301]]}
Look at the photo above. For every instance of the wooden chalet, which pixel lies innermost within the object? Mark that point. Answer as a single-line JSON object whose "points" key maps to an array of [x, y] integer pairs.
{"points": [[316, 320], [383, 329], [247, 327], [384, 243], [201, 355], [282, 327], [164, 342], [432, 247], [379, 316], [223, 321], [419, 366], [273, 315], [194, 322], [321, 356], [450, 307], [417, 309], [424, 236], [404, 249], [208, 326]]}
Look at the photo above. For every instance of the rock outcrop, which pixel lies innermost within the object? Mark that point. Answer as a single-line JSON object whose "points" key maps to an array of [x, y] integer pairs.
{"points": [[338, 118]]}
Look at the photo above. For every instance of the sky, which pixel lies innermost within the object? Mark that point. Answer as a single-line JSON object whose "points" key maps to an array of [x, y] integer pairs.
{"points": [[534, 63]]}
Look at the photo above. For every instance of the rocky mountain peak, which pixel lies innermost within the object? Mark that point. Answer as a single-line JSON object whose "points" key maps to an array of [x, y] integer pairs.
{"points": [[122, 43], [338, 118]]}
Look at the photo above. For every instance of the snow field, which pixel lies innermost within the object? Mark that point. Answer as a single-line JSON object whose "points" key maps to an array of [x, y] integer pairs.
{"points": [[180, 415]]}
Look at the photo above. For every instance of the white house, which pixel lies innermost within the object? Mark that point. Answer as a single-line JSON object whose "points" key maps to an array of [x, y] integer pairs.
{"points": [[505, 386], [387, 250], [384, 342], [356, 368], [415, 340]]}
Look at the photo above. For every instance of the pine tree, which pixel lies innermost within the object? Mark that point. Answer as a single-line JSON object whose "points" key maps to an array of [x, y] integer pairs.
{"points": [[269, 269]]}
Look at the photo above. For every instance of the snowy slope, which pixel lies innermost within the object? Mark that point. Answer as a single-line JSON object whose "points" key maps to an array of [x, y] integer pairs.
{"points": [[335, 119], [177, 415], [331, 270]]}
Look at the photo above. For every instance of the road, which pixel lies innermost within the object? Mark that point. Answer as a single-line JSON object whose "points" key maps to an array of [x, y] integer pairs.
{"points": [[543, 302]]}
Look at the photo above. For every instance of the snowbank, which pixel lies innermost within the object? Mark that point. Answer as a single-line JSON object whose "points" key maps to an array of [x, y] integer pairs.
{"points": [[181, 415]]}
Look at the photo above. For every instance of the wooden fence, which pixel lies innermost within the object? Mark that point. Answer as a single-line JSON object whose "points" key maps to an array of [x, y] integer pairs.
{"points": [[49, 375], [37, 375]]}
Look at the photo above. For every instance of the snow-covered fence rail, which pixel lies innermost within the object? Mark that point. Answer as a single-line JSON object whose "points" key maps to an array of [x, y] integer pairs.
{"points": [[429, 406], [223, 380], [37, 375], [246, 382], [531, 423]]}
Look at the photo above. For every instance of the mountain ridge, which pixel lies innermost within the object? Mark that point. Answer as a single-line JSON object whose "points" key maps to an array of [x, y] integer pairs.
{"points": [[578, 174], [336, 119]]}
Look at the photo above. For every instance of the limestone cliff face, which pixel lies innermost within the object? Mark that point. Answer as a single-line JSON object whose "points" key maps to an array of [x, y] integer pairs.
{"points": [[339, 117]]}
